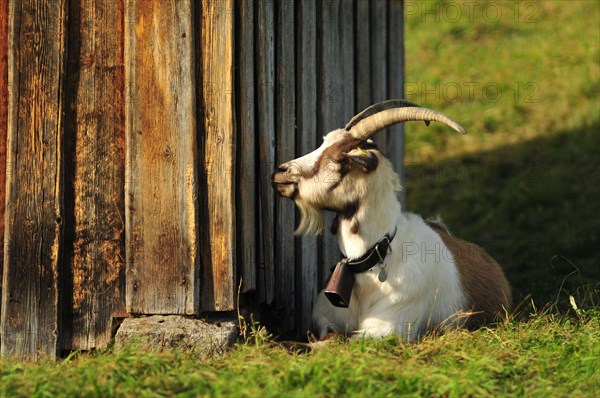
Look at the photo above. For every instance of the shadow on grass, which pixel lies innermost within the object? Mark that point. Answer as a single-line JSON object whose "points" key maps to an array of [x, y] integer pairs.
{"points": [[535, 207]]}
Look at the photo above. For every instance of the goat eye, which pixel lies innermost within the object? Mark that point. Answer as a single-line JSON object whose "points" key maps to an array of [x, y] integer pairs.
{"points": [[345, 164]]}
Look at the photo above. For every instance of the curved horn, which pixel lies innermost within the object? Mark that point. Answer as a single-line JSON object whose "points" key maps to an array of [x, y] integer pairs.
{"points": [[384, 114]]}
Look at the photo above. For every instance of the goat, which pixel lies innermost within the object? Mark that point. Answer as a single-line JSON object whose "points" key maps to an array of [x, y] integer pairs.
{"points": [[418, 275]]}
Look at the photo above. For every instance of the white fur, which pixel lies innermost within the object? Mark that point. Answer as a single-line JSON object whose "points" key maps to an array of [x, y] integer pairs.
{"points": [[423, 288], [314, 192]]}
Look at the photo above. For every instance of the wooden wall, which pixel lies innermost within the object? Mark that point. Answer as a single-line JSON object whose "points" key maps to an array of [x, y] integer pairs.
{"points": [[140, 137], [3, 127]]}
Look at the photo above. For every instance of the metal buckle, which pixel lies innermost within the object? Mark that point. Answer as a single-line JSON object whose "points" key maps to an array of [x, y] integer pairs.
{"points": [[379, 254], [381, 259]]}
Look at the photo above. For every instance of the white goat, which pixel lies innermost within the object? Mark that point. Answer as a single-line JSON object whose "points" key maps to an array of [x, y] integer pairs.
{"points": [[427, 277]]}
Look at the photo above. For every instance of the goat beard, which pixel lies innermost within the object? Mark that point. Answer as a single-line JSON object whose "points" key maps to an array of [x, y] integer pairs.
{"points": [[311, 222]]}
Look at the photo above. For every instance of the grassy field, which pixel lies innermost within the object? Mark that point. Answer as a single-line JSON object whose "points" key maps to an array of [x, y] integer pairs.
{"points": [[525, 184], [543, 357]]}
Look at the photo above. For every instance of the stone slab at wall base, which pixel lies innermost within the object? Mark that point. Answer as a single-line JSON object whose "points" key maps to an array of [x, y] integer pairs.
{"points": [[161, 332]]}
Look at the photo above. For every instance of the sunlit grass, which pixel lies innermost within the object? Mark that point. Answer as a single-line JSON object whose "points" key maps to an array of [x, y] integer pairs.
{"points": [[545, 355], [525, 182], [518, 71]]}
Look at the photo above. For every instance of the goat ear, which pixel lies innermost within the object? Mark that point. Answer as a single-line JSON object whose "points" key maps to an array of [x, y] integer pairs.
{"points": [[367, 161]]}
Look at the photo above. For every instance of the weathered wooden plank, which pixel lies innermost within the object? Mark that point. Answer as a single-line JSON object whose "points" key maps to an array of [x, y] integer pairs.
{"points": [[347, 61], [161, 158], [266, 141], [95, 137], [286, 119], [362, 55], [218, 155], [396, 84], [34, 224], [379, 47], [306, 141], [247, 181], [330, 106], [3, 128], [347, 89]]}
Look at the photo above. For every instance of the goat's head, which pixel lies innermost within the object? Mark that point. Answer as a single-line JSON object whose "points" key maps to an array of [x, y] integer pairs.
{"points": [[348, 165]]}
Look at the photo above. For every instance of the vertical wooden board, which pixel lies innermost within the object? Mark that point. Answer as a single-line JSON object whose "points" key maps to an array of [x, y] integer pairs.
{"points": [[34, 214], [246, 182], [3, 127], [347, 58], [379, 48], [161, 158], [396, 85], [362, 55], [306, 141], [218, 156], [330, 103], [266, 140], [95, 139], [285, 116]]}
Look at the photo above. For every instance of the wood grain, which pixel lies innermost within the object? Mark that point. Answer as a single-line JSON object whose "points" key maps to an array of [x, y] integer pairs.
{"points": [[217, 132], [330, 106], [379, 47], [34, 214], [95, 260], [347, 60], [247, 182], [285, 127], [266, 143], [306, 141], [3, 127], [161, 189], [396, 85], [362, 55]]}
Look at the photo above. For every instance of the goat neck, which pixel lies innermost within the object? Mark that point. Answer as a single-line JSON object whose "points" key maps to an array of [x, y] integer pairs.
{"points": [[374, 216]]}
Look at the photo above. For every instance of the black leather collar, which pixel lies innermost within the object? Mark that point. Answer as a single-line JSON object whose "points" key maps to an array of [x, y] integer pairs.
{"points": [[372, 257]]}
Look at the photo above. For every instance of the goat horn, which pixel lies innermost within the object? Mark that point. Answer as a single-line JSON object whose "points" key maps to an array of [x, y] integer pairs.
{"points": [[384, 114]]}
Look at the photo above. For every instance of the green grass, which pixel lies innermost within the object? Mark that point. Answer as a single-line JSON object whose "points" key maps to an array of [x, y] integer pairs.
{"points": [[525, 184], [530, 205], [541, 357], [518, 80]]}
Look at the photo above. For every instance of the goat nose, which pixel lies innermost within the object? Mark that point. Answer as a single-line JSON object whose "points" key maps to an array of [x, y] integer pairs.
{"points": [[282, 168]]}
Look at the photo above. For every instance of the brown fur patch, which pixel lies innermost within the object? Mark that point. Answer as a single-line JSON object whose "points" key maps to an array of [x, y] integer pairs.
{"points": [[354, 226], [336, 153], [345, 213], [482, 279]]}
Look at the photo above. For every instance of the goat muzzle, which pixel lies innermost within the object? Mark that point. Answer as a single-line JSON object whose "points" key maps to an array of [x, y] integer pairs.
{"points": [[284, 183]]}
